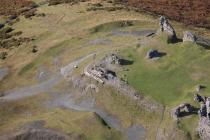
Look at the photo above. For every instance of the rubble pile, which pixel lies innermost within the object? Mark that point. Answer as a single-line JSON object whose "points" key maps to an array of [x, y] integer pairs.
{"points": [[204, 115], [182, 110], [101, 72], [204, 110], [112, 59], [204, 128]]}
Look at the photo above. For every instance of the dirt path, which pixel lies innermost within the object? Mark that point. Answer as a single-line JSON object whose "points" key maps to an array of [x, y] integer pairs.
{"points": [[133, 33], [134, 132], [67, 70], [24, 92], [42, 87], [161, 120], [3, 73]]}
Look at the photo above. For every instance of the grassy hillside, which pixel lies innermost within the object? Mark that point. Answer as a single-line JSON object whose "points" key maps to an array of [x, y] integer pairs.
{"points": [[69, 32]]}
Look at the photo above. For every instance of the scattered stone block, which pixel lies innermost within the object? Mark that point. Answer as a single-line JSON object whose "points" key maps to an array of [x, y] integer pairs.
{"points": [[204, 128], [198, 98], [189, 37], [182, 110], [112, 59]]}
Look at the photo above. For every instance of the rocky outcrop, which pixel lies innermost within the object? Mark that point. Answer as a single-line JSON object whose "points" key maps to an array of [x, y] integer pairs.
{"points": [[182, 110], [204, 115], [189, 37], [112, 59], [152, 53], [204, 128], [167, 28]]}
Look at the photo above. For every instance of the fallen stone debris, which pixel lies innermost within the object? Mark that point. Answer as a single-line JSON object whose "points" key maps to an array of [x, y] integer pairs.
{"points": [[167, 28], [189, 37], [204, 128], [204, 116], [100, 72], [200, 88], [182, 110], [204, 110], [198, 98], [112, 59]]}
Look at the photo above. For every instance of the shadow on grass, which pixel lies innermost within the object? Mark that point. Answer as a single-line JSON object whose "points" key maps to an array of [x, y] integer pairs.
{"points": [[161, 54], [126, 62], [193, 112], [175, 40]]}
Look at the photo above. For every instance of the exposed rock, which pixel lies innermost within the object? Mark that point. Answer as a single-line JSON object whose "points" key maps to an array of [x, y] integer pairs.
{"points": [[202, 111], [112, 59], [189, 37], [166, 27], [198, 98], [99, 73], [204, 128], [199, 88], [208, 107], [182, 110], [103, 69], [154, 54]]}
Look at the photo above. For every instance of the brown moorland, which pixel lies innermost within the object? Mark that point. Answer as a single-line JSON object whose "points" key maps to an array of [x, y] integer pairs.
{"points": [[190, 12], [12, 7]]}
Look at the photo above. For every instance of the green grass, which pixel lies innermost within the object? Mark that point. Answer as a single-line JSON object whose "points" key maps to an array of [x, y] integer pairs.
{"points": [[169, 79], [115, 25], [46, 56], [189, 126]]}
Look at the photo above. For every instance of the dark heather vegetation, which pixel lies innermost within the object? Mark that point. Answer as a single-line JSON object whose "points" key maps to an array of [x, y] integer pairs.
{"points": [[193, 12], [17, 7], [55, 2]]}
